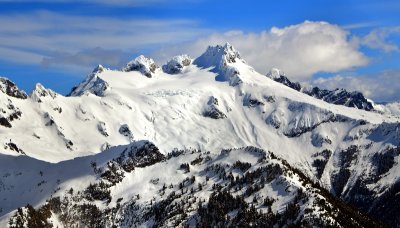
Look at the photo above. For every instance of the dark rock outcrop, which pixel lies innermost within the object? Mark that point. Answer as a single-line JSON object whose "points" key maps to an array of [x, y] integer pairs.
{"points": [[144, 65], [212, 109], [8, 87], [177, 64]]}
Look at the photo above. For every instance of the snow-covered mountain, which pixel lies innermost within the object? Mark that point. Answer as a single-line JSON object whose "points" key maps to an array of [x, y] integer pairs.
{"points": [[338, 96], [208, 141]]}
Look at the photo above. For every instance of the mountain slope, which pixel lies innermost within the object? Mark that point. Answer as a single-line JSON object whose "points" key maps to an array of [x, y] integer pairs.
{"points": [[250, 184], [218, 102]]}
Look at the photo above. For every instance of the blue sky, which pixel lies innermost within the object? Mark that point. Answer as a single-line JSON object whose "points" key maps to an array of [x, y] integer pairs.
{"points": [[58, 42]]}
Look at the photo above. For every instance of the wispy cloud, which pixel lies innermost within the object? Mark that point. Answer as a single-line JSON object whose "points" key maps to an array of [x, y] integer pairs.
{"points": [[43, 34], [360, 25], [380, 39]]}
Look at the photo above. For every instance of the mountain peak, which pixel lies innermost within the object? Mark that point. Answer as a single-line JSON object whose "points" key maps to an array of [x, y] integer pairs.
{"points": [[40, 92], [176, 64], [218, 56], [224, 60], [144, 65]]}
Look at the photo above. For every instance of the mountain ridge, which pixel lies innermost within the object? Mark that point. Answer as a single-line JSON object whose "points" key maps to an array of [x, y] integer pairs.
{"points": [[338, 96]]}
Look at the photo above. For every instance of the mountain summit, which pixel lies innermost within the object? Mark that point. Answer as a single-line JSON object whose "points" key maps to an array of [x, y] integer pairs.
{"points": [[225, 60], [144, 65]]}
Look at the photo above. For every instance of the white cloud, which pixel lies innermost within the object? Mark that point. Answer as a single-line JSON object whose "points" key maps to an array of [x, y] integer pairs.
{"points": [[379, 87], [378, 39], [300, 50]]}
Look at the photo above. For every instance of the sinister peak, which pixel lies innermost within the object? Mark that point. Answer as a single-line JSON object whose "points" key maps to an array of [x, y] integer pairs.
{"points": [[144, 65], [8, 87], [176, 64], [222, 58]]}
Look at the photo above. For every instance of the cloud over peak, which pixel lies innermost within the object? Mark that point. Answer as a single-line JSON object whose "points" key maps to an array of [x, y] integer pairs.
{"points": [[300, 50]]}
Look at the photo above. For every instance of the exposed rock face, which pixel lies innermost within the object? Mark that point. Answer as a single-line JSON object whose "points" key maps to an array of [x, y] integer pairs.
{"points": [[341, 97], [144, 65], [338, 96], [14, 147], [212, 109], [251, 101], [8, 113], [4, 122], [92, 84], [177, 64], [125, 131], [8, 87], [321, 158], [340, 179]]}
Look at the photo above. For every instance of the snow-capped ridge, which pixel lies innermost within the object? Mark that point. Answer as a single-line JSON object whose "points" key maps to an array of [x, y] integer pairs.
{"points": [[9, 88], [177, 64], [144, 65], [92, 84]]}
